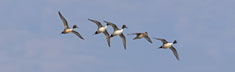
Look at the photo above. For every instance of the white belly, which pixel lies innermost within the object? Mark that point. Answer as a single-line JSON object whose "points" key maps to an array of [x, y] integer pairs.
{"points": [[68, 30], [140, 36], [102, 29], [167, 45], [117, 32]]}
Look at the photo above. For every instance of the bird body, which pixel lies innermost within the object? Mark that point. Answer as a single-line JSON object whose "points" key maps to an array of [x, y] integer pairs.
{"points": [[102, 29], [67, 29], [117, 32], [168, 45], [141, 35]]}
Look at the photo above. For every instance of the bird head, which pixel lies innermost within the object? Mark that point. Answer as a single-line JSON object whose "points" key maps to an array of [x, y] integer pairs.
{"points": [[75, 26], [124, 26], [146, 33]]}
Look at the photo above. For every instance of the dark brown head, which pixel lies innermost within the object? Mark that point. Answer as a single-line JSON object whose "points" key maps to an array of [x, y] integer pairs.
{"points": [[146, 33], [124, 26], [75, 26]]}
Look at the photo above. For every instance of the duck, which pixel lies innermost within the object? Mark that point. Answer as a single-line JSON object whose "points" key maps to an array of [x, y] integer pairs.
{"points": [[118, 31], [67, 29], [167, 44], [101, 29], [141, 35]]}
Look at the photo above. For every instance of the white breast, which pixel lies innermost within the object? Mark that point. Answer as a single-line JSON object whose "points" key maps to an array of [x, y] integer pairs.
{"points": [[68, 30], [117, 32], [102, 29], [167, 45], [141, 36]]}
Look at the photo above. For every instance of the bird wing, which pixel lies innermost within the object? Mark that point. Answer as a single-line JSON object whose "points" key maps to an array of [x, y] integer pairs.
{"points": [[123, 40], [148, 39], [107, 37], [113, 25], [79, 35], [64, 20], [96, 22], [163, 40], [134, 34], [175, 52]]}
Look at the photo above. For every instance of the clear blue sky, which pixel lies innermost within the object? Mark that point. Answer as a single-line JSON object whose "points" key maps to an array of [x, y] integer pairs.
{"points": [[30, 39]]}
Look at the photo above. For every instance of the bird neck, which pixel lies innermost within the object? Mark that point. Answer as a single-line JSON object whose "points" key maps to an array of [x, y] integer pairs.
{"points": [[121, 29], [105, 26]]}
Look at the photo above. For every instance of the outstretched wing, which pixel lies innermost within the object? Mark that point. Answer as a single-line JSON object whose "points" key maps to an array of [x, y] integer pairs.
{"points": [[163, 40], [64, 20], [113, 25], [96, 22], [79, 35], [134, 34], [123, 40], [148, 39], [107, 37], [175, 52]]}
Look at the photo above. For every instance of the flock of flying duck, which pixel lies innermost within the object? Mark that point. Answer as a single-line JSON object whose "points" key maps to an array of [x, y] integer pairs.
{"points": [[117, 32]]}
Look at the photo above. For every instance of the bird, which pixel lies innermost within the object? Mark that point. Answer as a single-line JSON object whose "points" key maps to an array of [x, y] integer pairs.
{"points": [[117, 32], [102, 29], [67, 29], [167, 44], [141, 35]]}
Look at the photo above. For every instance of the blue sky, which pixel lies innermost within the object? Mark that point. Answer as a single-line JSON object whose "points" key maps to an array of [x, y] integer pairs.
{"points": [[30, 40]]}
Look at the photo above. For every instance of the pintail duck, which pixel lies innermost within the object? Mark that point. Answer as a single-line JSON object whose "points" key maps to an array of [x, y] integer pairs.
{"points": [[167, 44], [67, 29], [141, 35], [102, 29], [117, 32]]}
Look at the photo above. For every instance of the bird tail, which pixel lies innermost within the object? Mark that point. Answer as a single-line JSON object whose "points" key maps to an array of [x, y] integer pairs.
{"points": [[111, 35], [135, 38], [95, 33]]}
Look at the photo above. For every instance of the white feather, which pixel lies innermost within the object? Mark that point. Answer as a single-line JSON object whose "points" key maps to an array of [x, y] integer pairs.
{"points": [[167, 45], [102, 29], [117, 32]]}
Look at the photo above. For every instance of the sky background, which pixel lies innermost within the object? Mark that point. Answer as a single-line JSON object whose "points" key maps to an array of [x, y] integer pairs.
{"points": [[30, 39]]}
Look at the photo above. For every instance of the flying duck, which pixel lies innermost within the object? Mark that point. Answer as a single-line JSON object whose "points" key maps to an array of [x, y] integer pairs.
{"points": [[67, 29], [117, 32], [167, 44], [102, 29], [141, 35]]}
